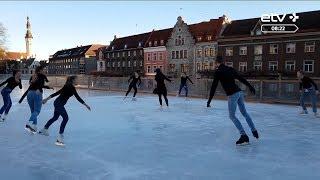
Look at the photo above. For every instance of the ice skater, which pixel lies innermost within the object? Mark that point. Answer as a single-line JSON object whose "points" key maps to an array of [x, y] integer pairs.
{"points": [[161, 89], [135, 78], [64, 93], [12, 82], [184, 84], [308, 88], [34, 97], [227, 75]]}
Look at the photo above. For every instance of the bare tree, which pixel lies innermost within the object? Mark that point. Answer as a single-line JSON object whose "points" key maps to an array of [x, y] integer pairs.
{"points": [[3, 39]]}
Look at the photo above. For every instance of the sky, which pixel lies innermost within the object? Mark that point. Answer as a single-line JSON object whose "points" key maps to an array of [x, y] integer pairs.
{"points": [[60, 25]]}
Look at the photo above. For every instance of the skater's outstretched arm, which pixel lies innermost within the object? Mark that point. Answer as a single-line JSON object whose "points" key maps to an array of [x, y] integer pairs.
{"points": [[189, 79], [75, 93], [20, 85], [52, 95], [4, 82], [244, 81], [213, 89], [24, 95], [166, 78]]}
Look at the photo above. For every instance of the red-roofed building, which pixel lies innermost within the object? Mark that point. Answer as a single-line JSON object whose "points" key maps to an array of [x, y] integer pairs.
{"points": [[155, 52], [192, 48]]}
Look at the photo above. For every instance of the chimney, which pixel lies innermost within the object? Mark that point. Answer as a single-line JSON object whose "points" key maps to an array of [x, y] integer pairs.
{"points": [[115, 37]]}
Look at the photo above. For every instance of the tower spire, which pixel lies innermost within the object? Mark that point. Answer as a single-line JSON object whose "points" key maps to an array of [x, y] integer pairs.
{"points": [[28, 38]]}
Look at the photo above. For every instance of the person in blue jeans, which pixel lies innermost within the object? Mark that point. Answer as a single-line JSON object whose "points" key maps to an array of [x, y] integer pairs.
{"points": [[11, 82], [34, 97], [64, 93], [184, 84], [308, 88], [227, 75]]}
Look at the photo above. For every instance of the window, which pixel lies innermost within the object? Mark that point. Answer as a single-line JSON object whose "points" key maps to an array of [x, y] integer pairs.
{"points": [[134, 53], [273, 65], [243, 66], [257, 65], [125, 46], [308, 66], [113, 64], [149, 56], [176, 42], [155, 43], [177, 55], [173, 55], [243, 50], [309, 47], [129, 63], [229, 51], [181, 54], [162, 42], [172, 67], [141, 52], [273, 48], [123, 54], [150, 43], [141, 63], [118, 54], [230, 64], [290, 65], [119, 63], [205, 66], [139, 44], [209, 38], [198, 66], [212, 52], [258, 32], [199, 38], [149, 69], [182, 41], [257, 49], [134, 63], [113, 55], [108, 64], [185, 54], [206, 52], [123, 64], [184, 68], [199, 53], [161, 56], [291, 48], [154, 68], [129, 53]]}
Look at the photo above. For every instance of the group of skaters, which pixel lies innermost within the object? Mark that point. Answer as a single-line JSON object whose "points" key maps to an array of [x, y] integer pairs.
{"points": [[223, 74]]}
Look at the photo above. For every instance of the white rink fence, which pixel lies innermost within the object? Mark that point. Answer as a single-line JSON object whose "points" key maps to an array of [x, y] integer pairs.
{"points": [[270, 91]]}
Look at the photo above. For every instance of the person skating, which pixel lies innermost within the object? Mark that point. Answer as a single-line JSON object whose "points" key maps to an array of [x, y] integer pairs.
{"points": [[161, 89], [11, 82], [34, 97], [184, 84], [64, 93], [135, 79], [227, 75], [307, 88]]}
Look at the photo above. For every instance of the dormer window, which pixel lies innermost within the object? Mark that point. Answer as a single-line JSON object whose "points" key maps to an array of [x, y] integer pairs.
{"points": [[199, 38], [125, 46], [155, 43], [258, 32], [112, 47], [162, 42], [150, 44], [139, 44], [209, 38]]}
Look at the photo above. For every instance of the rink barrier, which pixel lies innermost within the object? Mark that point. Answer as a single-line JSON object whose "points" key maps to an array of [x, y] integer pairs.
{"points": [[267, 91]]}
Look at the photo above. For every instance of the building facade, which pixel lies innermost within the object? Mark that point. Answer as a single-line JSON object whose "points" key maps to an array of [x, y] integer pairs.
{"points": [[155, 52], [79, 60], [192, 48], [125, 55], [247, 49]]}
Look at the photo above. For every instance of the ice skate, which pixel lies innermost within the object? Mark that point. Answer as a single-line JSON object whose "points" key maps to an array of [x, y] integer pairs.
{"points": [[31, 128], [255, 134], [60, 141], [316, 115], [134, 99], [243, 140], [303, 112], [44, 132]]}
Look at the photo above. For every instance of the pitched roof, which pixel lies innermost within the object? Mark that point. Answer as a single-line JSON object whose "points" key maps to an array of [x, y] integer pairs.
{"points": [[129, 42], [15, 55], [76, 52], [159, 35], [308, 21], [207, 28]]}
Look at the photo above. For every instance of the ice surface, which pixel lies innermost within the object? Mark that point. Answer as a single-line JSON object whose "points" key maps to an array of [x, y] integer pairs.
{"points": [[136, 140]]}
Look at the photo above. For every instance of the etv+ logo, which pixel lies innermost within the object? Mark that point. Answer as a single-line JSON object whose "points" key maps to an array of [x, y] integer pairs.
{"points": [[274, 23]]}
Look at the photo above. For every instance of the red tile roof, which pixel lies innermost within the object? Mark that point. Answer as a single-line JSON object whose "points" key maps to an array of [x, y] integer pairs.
{"points": [[159, 35], [129, 41], [14, 55], [207, 28]]}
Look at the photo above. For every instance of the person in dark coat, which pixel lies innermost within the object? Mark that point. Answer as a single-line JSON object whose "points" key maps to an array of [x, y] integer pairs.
{"points": [[161, 89]]}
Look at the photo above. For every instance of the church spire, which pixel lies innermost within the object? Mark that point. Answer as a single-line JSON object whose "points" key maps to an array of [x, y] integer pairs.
{"points": [[28, 37]]}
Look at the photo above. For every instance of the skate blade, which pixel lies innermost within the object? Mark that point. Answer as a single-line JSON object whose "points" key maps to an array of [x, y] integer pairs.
{"points": [[30, 131], [243, 144], [59, 144]]}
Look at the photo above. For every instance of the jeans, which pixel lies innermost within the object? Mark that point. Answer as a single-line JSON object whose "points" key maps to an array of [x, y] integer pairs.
{"points": [[235, 100], [312, 94], [59, 110], [35, 104], [7, 103], [185, 88]]}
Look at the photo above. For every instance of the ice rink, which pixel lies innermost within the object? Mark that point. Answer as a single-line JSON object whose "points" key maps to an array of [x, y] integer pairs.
{"points": [[137, 140]]}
